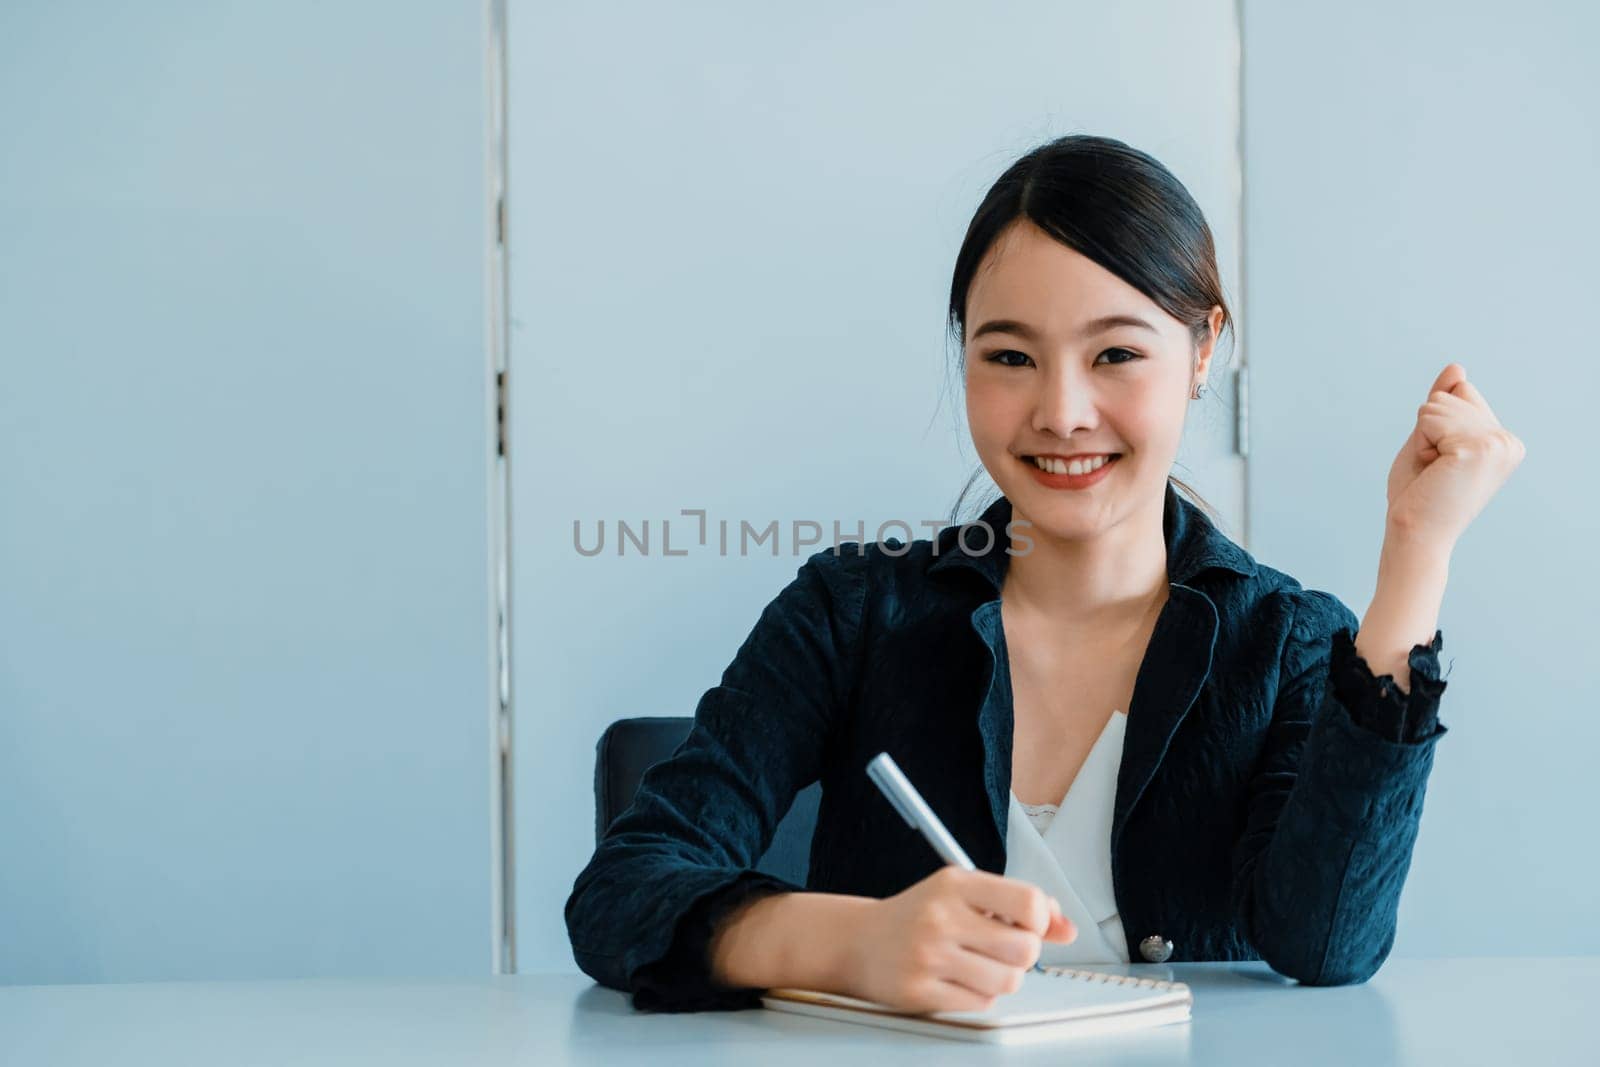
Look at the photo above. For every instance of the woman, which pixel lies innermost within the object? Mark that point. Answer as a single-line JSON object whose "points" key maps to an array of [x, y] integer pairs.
{"points": [[1152, 746]]}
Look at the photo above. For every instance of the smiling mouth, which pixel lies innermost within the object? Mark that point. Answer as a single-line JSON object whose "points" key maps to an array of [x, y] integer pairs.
{"points": [[1056, 466]]}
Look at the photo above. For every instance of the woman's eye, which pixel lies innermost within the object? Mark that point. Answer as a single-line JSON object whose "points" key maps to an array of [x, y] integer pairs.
{"points": [[1001, 357], [997, 357]]}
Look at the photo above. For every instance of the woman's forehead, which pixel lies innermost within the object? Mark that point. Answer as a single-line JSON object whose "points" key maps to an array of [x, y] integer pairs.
{"points": [[1054, 289]]}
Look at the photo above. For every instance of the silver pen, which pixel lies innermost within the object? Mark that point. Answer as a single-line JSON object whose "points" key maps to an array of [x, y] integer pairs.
{"points": [[888, 777]]}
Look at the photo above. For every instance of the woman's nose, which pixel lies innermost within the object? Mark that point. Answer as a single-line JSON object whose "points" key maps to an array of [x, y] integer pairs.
{"points": [[1064, 406]]}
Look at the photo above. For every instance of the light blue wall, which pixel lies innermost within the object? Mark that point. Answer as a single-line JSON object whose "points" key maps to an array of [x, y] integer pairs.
{"points": [[731, 259], [243, 444], [1420, 188]]}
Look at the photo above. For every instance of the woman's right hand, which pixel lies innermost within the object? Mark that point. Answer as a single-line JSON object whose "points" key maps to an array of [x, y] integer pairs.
{"points": [[954, 941]]}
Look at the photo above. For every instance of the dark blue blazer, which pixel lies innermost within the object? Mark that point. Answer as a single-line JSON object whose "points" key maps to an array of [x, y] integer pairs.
{"points": [[1266, 805]]}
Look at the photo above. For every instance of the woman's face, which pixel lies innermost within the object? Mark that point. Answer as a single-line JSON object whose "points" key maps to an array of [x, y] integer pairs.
{"points": [[1059, 378]]}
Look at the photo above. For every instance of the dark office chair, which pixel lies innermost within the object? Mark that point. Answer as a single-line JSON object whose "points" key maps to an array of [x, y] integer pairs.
{"points": [[630, 746]]}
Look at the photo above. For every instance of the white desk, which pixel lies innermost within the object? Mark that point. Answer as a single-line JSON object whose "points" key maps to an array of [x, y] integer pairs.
{"points": [[1464, 1011]]}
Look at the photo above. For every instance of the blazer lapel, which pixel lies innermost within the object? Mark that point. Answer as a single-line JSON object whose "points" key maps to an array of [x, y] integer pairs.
{"points": [[1175, 667], [995, 721]]}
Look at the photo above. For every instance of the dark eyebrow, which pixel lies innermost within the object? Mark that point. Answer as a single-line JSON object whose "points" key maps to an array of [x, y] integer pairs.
{"points": [[1094, 326]]}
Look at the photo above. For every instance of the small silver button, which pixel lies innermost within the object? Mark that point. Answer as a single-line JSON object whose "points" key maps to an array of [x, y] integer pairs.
{"points": [[1155, 949]]}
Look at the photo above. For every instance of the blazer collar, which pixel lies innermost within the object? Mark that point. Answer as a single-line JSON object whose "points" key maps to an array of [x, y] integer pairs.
{"points": [[1176, 665], [1194, 544]]}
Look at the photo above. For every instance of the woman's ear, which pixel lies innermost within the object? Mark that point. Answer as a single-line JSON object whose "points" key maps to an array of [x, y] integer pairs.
{"points": [[1214, 327], [1208, 346]]}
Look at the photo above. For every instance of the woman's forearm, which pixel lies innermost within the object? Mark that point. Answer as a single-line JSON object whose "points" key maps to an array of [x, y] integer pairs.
{"points": [[802, 940], [1405, 606]]}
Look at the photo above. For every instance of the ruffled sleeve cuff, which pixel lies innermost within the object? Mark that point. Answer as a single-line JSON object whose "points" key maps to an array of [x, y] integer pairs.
{"points": [[681, 980], [1376, 703]]}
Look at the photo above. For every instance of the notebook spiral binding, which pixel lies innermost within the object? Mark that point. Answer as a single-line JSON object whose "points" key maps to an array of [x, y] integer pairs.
{"points": [[1111, 979]]}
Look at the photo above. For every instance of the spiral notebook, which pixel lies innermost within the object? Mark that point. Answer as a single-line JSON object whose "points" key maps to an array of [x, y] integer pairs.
{"points": [[1054, 1002]]}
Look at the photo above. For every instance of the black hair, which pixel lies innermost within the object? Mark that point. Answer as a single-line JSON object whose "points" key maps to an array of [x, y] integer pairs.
{"points": [[1120, 208]]}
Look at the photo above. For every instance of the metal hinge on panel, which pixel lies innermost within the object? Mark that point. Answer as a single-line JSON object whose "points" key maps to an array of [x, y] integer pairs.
{"points": [[500, 220], [1241, 411], [500, 412]]}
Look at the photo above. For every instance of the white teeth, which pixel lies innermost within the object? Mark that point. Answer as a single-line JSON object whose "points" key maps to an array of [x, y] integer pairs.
{"points": [[1077, 466]]}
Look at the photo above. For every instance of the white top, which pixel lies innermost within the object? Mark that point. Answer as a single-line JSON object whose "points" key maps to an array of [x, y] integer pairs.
{"points": [[1065, 849]]}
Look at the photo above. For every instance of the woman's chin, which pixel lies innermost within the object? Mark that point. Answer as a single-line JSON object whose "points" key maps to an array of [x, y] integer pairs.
{"points": [[1066, 514]]}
